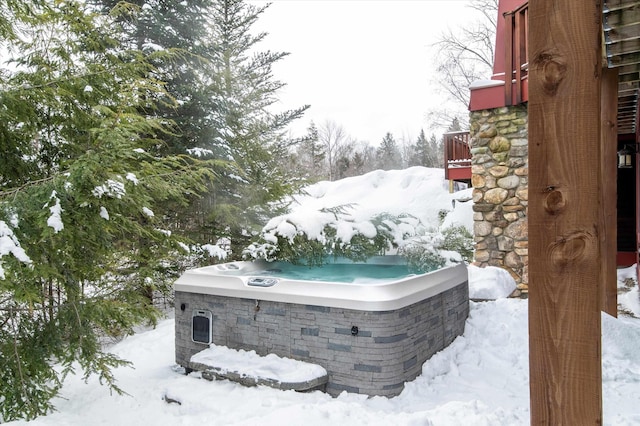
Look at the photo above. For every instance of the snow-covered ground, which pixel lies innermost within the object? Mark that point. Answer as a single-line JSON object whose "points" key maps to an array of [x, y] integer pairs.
{"points": [[480, 379]]}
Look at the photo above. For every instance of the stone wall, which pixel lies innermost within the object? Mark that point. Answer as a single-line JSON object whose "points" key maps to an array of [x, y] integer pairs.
{"points": [[365, 352], [499, 148]]}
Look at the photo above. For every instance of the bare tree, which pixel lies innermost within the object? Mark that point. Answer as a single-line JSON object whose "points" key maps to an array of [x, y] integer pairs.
{"points": [[407, 151], [464, 56], [337, 144]]}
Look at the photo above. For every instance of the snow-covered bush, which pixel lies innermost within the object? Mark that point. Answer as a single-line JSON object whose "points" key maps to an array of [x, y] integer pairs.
{"points": [[440, 248], [408, 212], [459, 239], [339, 236]]}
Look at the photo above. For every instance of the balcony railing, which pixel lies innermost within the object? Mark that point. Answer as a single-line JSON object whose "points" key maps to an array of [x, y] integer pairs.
{"points": [[517, 54], [457, 155], [509, 84]]}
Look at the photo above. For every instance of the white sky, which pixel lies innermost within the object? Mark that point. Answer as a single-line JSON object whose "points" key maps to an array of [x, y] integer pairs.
{"points": [[365, 64]]}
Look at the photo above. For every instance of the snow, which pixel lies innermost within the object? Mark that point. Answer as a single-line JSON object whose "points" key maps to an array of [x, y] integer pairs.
{"points": [[215, 250], [482, 378], [199, 152], [284, 370], [628, 296], [164, 231], [111, 188], [132, 177], [104, 213], [152, 46], [398, 191], [9, 244], [489, 282], [55, 220]]}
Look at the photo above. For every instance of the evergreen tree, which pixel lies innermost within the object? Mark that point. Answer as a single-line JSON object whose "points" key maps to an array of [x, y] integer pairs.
{"points": [[388, 155], [154, 28], [312, 155], [407, 152], [223, 90], [455, 125], [428, 151], [343, 167], [244, 196], [358, 163], [168, 35], [421, 150], [436, 148], [80, 199]]}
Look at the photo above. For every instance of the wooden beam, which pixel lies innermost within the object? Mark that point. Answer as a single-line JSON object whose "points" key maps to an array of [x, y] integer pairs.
{"points": [[508, 61], [608, 146], [566, 218]]}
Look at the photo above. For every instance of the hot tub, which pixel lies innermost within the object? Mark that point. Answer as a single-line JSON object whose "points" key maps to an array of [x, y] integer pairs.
{"points": [[371, 334]]}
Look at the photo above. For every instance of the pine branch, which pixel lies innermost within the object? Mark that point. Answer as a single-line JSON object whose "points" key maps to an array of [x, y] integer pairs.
{"points": [[14, 191]]}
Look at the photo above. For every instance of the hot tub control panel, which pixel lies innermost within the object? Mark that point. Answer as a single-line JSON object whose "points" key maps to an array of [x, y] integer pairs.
{"points": [[261, 282]]}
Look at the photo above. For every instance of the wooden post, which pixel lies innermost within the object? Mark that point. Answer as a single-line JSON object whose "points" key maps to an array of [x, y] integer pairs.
{"points": [[566, 212], [508, 62]]}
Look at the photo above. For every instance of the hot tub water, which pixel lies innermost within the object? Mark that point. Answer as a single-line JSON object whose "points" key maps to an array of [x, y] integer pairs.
{"points": [[337, 272]]}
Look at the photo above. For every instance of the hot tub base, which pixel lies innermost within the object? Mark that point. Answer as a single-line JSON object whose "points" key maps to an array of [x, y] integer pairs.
{"points": [[366, 352]]}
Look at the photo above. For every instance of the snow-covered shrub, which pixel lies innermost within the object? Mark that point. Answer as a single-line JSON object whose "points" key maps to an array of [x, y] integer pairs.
{"points": [[340, 236], [459, 239], [439, 248], [422, 252], [334, 232]]}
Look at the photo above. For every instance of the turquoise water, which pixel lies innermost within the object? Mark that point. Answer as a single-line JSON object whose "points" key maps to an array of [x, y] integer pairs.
{"points": [[337, 272]]}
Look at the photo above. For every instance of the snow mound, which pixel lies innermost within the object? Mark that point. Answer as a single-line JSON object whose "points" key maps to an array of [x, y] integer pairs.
{"points": [[489, 283]]}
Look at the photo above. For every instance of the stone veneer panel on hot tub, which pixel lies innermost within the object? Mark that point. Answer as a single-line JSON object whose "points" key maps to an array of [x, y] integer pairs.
{"points": [[386, 350]]}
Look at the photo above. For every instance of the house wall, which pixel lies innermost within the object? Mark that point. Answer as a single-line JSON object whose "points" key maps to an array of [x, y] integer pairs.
{"points": [[499, 148]]}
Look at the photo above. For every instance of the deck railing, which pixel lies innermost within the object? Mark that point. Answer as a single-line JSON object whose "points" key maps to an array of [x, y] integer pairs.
{"points": [[457, 152], [517, 54]]}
